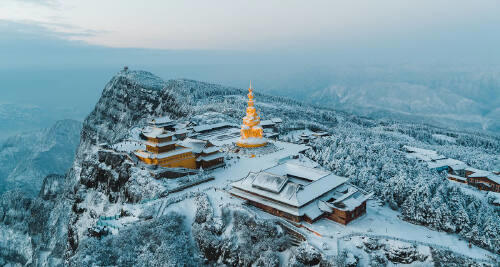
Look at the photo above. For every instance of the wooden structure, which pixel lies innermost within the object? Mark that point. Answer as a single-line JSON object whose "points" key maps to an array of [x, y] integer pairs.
{"points": [[207, 155], [299, 193], [162, 149], [483, 180]]}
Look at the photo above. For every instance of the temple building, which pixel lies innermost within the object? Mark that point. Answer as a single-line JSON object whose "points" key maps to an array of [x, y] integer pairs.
{"points": [[251, 133], [299, 193], [207, 154], [162, 149]]}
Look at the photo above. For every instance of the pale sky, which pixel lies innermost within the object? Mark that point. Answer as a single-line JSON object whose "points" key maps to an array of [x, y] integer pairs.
{"points": [[255, 25]]}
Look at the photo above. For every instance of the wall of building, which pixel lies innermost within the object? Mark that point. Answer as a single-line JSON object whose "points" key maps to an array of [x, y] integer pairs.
{"points": [[344, 217], [185, 160], [479, 182], [159, 140], [162, 149]]}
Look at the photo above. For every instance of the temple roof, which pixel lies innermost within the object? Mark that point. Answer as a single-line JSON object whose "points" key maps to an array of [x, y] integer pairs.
{"points": [[311, 174], [155, 132]]}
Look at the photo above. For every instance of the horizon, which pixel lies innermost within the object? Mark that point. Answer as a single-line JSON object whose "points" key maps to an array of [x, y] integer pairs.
{"points": [[301, 50]]}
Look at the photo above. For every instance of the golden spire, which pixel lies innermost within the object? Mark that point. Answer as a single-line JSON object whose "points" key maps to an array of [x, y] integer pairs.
{"points": [[251, 131]]}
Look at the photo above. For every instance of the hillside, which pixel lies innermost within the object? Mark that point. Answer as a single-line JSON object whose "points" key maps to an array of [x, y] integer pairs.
{"points": [[204, 226], [25, 159], [459, 97]]}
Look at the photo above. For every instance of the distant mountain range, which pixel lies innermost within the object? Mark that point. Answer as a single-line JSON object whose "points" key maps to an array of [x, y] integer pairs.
{"points": [[25, 159], [453, 98], [20, 118]]}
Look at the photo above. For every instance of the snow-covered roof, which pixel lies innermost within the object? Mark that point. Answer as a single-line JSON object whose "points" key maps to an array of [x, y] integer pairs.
{"points": [[491, 176], [181, 131], [453, 163], [433, 159], [210, 157], [266, 123], [195, 144], [160, 120], [160, 144], [298, 200], [320, 133], [155, 132], [457, 177], [199, 146], [422, 154], [348, 197], [177, 151], [276, 120], [206, 127], [269, 182], [290, 169], [292, 193], [211, 149], [472, 169]]}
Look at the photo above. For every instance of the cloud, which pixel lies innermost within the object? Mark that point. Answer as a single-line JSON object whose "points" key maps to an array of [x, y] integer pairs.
{"points": [[47, 3], [29, 29]]}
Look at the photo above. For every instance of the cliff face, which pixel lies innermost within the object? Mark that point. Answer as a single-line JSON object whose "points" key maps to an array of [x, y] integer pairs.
{"points": [[128, 99], [47, 230]]}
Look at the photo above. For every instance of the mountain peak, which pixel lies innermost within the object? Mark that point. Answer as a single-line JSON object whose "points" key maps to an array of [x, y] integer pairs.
{"points": [[143, 79]]}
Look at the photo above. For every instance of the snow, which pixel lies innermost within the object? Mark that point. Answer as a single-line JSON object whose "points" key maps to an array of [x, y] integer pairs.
{"points": [[207, 127], [290, 169], [210, 157], [376, 221], [446, 162], [160, 144], [129, 146], [177, 151], [160, 120], [381, 220], [267, 123], [444, 138], [285, 191], [144, 79], [252, 141], [433, 159], [457, 177], [276, 120], [155, 132], [495, 196], [268, 181], [219, 137], [493, 177], [211, 149]]}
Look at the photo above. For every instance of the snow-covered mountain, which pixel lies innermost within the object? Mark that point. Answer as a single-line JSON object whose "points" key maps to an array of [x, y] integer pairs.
{"points": [[25, 159], [411, 102], [53, 229], [18, 119]]}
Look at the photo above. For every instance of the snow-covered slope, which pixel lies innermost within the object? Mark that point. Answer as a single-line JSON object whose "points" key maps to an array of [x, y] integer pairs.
{"points": [[104, 182], [413, 102], [25, 159]]}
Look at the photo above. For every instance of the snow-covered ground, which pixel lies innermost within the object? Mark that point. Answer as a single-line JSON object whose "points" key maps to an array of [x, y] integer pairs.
{"points": [[379, 220], [129, 146]]}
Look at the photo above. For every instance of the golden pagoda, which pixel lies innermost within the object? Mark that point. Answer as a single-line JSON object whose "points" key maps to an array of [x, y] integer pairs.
{"points": [[251, 131]]}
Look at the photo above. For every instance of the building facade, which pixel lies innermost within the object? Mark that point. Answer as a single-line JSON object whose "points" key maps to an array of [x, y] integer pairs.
{"points": [[163, 150], [300, 193]]}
